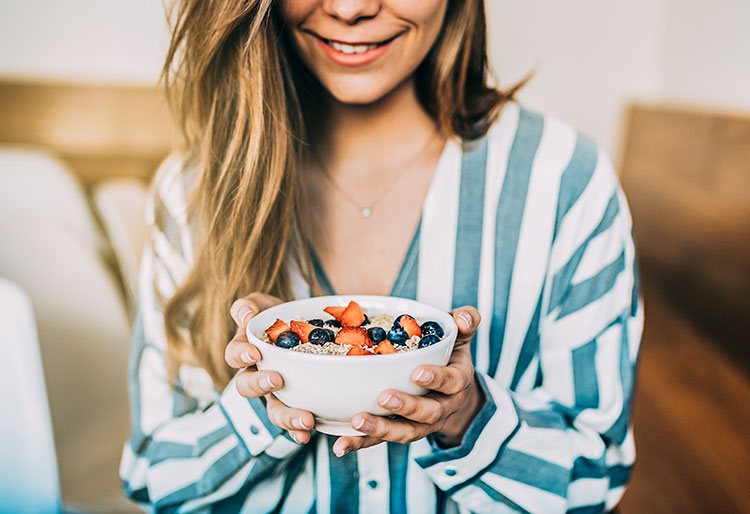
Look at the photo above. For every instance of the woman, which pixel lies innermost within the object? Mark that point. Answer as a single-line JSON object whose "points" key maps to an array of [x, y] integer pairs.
{"points": [[354, 146]]}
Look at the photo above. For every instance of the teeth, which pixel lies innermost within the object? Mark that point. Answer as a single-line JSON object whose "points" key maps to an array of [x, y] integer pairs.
{"points": [[352, 49]]}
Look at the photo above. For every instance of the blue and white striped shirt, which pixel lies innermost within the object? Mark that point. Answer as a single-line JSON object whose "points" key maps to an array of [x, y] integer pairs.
{"points": [[535, 232]]}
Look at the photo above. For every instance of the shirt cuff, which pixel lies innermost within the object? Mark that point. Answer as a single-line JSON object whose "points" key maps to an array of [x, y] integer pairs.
{"points": [[249, 418], [496, 422]]}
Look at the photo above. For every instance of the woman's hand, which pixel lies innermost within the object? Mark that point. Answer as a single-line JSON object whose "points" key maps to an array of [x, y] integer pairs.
{"points": [[250, 382], [447, 410]]}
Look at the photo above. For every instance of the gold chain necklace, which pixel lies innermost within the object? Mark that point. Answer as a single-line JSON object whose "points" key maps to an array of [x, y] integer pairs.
{"points": [[366, 210]]}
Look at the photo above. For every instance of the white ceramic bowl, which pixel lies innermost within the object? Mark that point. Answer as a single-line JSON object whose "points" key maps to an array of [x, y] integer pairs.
{"points": [[334, 387]]}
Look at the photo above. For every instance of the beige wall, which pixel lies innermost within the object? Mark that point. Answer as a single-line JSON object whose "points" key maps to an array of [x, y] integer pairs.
{"points": [[99, 41], [591, 57], [706, 53]]}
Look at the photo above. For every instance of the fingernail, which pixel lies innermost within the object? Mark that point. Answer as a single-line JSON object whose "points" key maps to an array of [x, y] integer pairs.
{"points": [[294, 436], [391, 402], [466, 317], [297, 423], [363, 424], [267, 384], [246, 358], [341, 452], [243, 313], [424, 376]]}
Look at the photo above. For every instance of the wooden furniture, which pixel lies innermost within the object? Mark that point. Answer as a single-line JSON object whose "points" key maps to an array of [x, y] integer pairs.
{"points": [[99, 131], [687, 178]]}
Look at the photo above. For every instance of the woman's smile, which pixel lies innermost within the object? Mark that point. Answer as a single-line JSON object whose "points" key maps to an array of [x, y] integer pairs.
{"points": [[353, 54]]}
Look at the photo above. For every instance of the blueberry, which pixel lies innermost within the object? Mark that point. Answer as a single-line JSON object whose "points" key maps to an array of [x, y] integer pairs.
{"points": [[428, 340], [397, 335], [366, 321], [376, 334], [432, 327], [320, 336], [315, 322], [287, 339], [332, 323]]}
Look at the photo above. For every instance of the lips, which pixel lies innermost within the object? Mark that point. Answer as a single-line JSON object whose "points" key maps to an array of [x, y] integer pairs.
{"points": [[356, 47], [353, 54]]}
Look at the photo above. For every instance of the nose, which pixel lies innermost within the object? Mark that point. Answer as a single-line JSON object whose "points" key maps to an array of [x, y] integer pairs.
{"points": [[351, 11]]}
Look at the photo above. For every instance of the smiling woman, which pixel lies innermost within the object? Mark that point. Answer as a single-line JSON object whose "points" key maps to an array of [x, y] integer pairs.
{"points": [[355, 147]]}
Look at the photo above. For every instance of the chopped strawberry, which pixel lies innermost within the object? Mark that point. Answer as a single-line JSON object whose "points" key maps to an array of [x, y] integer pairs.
{"points": [[385, 347], [302, 329], [336, 312], [357, 350], [277, 328], [352, 315], [410, 325], [352, 335]]}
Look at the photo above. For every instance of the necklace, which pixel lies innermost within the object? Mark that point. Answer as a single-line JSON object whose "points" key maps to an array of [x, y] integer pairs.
{"points": [[366, 210]]}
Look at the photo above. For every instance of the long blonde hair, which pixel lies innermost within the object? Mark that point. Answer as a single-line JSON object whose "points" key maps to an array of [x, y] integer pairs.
{"points": [[245, 104]]}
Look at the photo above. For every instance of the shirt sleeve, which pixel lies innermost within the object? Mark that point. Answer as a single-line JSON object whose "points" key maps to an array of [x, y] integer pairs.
{"points": [[186, 453], [565, 445]]}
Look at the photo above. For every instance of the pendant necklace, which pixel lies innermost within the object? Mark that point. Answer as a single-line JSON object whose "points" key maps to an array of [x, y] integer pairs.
{"points": [[366, 210]]}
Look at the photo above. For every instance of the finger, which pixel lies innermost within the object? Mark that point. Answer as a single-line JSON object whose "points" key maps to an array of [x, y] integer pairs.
{"points": [[451, 379], [239, 353], [297, 421], [467, 319], [347, 444], [251, 383], [243, 309], [422, 409], [397, 430], [300, 436]]}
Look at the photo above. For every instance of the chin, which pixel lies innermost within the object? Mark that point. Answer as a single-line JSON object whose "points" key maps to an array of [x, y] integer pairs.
{"points": [[359, 92]]}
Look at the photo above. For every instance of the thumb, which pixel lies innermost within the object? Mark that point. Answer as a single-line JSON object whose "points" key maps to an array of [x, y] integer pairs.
{"points": [[243, 309], [467, 319]]}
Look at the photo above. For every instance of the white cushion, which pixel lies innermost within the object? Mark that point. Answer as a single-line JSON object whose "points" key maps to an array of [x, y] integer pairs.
{"points": [[84, 335], [28, 468], [120, 203], [36, 185], [51, 246]]}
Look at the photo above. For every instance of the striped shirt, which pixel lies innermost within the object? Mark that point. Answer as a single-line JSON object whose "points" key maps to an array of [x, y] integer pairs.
{"points": [[534, 231]]}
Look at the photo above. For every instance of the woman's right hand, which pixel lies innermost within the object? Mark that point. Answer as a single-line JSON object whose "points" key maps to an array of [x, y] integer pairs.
{"points": [[252, 383]]}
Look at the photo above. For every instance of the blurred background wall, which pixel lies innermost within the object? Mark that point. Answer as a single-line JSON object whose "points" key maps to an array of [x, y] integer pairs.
{"points": [[663, 85], [590, 57]]}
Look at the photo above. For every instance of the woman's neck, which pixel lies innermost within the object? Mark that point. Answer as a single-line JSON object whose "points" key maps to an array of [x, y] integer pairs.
{"points": [[370, 139]]}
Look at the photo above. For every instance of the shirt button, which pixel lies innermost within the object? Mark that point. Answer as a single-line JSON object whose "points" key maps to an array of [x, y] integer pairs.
{"points": [[450, 472], [373, 484], [254, 430]]}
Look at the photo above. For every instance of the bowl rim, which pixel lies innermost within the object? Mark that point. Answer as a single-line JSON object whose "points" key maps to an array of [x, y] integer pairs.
{"points": [[451, 330]]}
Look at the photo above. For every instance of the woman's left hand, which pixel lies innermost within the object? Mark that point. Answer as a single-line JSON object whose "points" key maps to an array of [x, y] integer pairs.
{"points": [[447, 410]]}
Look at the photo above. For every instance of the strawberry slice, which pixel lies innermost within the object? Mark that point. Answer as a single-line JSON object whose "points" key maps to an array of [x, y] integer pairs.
{"points": [[358, 350], [356, 336], [302, 329], [277, 328], [384, 347], [410, 325], [336, 312], [352, 315]]}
